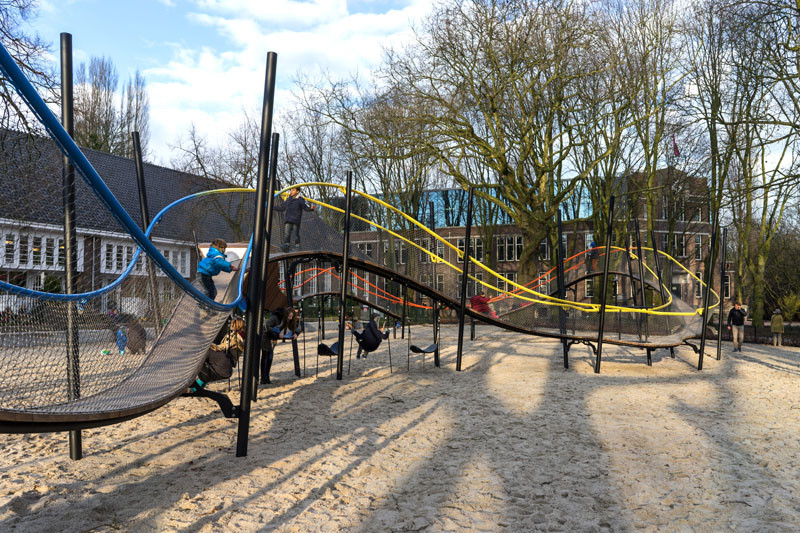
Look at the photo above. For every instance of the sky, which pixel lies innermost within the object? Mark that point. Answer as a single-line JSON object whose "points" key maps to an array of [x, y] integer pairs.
{"points": [[204, 61]]}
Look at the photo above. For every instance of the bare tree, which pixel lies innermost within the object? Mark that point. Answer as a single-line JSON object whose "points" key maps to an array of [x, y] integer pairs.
{"points": [[134, 115], [30, 53]]}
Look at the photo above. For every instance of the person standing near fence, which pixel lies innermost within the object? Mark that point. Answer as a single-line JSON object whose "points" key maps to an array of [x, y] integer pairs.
{"points": [[776, 326], [736, 325]]}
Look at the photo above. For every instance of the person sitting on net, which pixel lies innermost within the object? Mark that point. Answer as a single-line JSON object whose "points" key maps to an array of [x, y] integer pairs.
{"points": [[480, 303], [368, 339], [294, 207], [212, 264], [282, 324]]}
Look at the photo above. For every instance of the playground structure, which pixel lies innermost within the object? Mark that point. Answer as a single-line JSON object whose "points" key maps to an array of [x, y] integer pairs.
{"points": [[57, 372]]}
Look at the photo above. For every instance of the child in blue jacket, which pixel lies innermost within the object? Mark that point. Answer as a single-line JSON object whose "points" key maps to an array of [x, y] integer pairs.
{"points": [[213, 264]]}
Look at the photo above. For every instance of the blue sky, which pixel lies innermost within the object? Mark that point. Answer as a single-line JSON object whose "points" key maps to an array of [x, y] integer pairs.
{"points": [[204, 60]]}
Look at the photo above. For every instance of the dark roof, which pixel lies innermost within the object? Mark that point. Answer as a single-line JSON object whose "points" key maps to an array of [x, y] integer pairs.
{"points": [[31, 181]]}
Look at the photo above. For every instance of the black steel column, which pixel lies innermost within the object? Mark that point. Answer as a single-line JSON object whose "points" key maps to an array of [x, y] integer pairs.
{"points": [[661, 285], [464, 270], [404, 310], [562, 293], [434, 302], [289, 284], [633, 285], [706, 294], [322, 316], [151, 274], [273, 184], [721, 290], [345, 276], [641, 277], [259, 258], [70, 241], [604, 287]]}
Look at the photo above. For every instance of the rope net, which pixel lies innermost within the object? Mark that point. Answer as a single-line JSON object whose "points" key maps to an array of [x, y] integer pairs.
{"points": [[137, 338], [391, 249]]}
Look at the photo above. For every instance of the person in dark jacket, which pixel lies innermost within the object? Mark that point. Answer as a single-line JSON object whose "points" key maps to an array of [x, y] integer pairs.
{"points": [[369, 339], [736, 325], [283, 323], [137, 337], [294, 207]]}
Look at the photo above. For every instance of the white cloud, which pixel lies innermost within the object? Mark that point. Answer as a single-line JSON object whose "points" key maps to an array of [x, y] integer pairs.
{"points": [[210, 87]]}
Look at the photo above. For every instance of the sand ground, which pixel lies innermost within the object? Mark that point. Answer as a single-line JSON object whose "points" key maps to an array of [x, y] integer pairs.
{"points": [[513, 442]]}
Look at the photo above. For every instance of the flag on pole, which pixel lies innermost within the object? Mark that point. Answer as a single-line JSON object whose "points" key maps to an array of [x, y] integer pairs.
{"points": [[675, 150]]}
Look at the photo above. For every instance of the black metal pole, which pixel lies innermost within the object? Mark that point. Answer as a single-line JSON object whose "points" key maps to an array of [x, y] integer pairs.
{"points": [[434, 302], [273, 184], [260, 257], [604, 287], [403, 331], [661, 284], [70, 241], [641, 276], [706, 296], [345, 275], [290, 272], [405, 317], [151, 274], [464, 270], [562, 293], [322, 316], [721, 290], [633, 285]]}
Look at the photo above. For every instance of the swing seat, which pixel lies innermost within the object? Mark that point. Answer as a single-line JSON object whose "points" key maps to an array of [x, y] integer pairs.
{"points": [[430, 349], [328, 351]]}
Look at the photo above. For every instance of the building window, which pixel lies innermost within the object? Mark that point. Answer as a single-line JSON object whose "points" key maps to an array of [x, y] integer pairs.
{"points": [[139, 263], [726, 287], [440, 248], [50, 251], [588, 240], [589, 288], [698, 287], [62, 253], [563, 247], [366, 248], [680, 246], [24, 250], [644, 211], [682, 210], [425, 245], [544, 250], [128, 256], [664, 208], [10, 248], [665, 242], [118, 258], [440, 282], [185, 263], [475, 251], [543, 283], [37, 251], [698, 247], [108, 260]]}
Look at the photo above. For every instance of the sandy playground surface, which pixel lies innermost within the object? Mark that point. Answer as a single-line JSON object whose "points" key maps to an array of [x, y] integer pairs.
{"points": [[514, 442]]}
